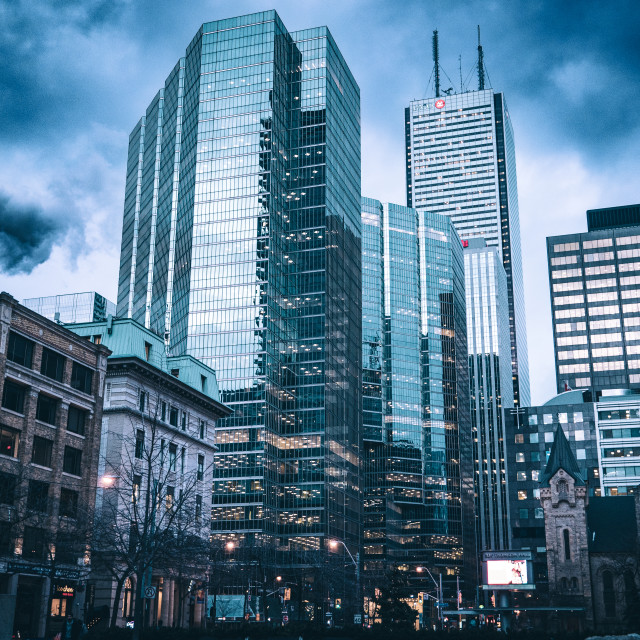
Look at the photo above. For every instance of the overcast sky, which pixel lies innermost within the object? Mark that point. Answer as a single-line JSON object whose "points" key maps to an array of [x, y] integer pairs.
{"points": [[76, 76]]}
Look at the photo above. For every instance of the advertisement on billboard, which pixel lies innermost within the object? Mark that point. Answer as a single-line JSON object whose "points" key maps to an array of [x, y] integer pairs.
{"points": [[507, 570]]}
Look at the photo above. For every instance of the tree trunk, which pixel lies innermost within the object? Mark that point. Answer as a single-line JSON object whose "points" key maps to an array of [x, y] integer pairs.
{"points": [[116, 601], [138, 609]]}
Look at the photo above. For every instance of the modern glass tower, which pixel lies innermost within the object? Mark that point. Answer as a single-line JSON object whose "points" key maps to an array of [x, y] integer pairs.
{"points": [[418, 457], [461, 162], [491, 388], [241, 244]]}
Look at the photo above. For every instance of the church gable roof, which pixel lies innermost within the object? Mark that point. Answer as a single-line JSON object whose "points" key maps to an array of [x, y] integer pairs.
{"points": [[561, 457]]}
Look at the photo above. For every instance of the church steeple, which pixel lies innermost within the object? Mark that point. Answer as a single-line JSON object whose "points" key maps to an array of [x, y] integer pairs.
{"points": [[561, 457]]}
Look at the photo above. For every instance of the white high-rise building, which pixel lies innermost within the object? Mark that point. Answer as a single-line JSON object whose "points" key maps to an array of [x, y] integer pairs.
{"points": [[461, 162]]}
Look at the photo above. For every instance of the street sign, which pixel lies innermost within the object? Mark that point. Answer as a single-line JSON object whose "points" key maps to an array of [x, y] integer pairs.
{"points": [[357, 618], [444, 605], [285, 619], [150, 592]]}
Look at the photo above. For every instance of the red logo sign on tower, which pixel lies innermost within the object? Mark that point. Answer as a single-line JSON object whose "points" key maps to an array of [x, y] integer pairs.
{"points": [[440, 103]]}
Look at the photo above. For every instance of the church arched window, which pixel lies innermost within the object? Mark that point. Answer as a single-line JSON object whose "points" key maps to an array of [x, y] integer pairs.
{"points": [[608, 594], [567, 544], [574, 584]]}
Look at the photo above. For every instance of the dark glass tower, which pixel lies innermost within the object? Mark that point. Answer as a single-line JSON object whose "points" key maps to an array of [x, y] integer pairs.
{"points": [[418, 450], [241, 244], [461, 162]]}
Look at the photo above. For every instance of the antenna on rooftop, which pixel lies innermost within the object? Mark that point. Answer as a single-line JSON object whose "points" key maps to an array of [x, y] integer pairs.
{"points": [[436, 62], [480, 64]]}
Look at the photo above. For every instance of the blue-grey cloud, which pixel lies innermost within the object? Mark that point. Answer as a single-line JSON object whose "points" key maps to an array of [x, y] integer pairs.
{"points": [[27, 236]]}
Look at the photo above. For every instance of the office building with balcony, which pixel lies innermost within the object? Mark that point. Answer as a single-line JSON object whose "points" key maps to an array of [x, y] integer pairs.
{"points": [[491, 388], [418, 469], [72, 307], [51, 386], [241, 247], [594, 281], [461, 162]]}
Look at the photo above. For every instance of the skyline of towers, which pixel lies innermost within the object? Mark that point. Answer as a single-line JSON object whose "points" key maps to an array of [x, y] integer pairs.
{"points": [[461, 162], [241, 244], [418, 453]]}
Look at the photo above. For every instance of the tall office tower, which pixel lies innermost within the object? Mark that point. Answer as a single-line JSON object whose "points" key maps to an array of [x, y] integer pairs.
{"points": [[241, 242], [595, 301], [418, 465], [73, 307], [491, 388], [461, 162]]}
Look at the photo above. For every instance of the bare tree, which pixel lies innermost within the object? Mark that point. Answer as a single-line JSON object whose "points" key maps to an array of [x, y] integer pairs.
{"points": [[148, 512]]}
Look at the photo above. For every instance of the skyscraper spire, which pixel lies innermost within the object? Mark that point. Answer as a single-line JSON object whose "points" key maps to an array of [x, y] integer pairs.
{"points": [[480, 64], [436, 63]]}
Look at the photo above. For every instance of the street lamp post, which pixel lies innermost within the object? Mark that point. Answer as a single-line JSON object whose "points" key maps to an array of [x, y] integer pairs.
{"points": [[228, 547], [333, 544], [438, 592]]}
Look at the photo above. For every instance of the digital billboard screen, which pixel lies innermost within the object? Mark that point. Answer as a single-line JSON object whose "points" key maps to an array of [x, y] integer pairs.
{"points": [[510, 570], [506, 572]]}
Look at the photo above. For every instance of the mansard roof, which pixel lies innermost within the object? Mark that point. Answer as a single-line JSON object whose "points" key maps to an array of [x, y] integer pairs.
{"points": [[561, 458]]}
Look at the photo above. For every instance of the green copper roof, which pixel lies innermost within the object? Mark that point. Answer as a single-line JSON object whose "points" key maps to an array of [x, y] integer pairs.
{"points": [[126, 338], [561, 458]]}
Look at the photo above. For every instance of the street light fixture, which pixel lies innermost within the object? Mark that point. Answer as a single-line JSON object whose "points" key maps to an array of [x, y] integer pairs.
{"points": [[438, 592], [333, 544]]}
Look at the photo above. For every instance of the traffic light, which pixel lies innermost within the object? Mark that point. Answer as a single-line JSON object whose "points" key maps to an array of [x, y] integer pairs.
{"points": [[287, 593], [338, 603]]}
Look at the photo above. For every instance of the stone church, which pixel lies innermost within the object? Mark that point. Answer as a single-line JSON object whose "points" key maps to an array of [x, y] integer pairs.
{"points": [[593, 549]]}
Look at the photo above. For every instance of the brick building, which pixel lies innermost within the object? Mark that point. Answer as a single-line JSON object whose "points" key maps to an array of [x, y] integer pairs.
{"points": [[51, 385]]}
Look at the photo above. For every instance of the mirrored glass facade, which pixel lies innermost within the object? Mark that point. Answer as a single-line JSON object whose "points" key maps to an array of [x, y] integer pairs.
{"points": [[73, 307], [491, 388], [241, 243], [418, 450], [461, 162]]}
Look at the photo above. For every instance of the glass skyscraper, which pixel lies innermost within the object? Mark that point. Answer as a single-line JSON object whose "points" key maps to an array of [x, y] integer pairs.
{"points": [[594, 280], [491, 388], [73, 307], [418, 458], [461, 162], [241, 245]]}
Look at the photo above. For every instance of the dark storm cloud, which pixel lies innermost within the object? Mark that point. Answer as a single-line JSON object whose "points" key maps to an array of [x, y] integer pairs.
{"points": [[27, 236], [45, 84]]}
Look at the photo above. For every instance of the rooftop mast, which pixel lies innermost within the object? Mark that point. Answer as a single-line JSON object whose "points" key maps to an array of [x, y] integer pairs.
{"points": [[480, 64], [436, 62]]}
